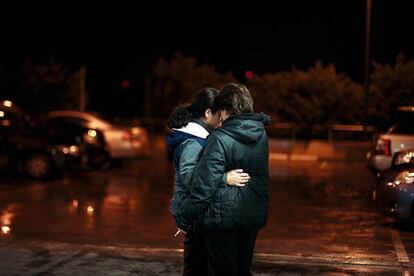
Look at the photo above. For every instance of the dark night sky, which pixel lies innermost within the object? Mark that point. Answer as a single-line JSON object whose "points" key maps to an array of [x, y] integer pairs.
{"points": [[298, 33]]}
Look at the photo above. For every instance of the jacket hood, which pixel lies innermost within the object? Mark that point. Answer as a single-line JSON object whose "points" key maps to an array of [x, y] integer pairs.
{"points": [[246, 128], [191, 131]]}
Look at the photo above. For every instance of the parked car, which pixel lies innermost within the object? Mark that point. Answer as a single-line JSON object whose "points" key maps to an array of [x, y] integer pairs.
{"points": [[394, 192], [398, 138], [30, 149], [42, 149], [92, 146], [122, 141]]}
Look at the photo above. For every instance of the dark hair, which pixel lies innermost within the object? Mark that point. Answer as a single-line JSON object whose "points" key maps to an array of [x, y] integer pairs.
{"points": [[235, 99], [204, 99]]}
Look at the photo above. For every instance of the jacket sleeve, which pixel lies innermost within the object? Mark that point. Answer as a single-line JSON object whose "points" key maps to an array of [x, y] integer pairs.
{"points": [[207, 177], [190, 155]]}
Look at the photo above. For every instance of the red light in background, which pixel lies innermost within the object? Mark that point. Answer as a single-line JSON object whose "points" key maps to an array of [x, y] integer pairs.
{"points": [[125, 84], [248, 74]]}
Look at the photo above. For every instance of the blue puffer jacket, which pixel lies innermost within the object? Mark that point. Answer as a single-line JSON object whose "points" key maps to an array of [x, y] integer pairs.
{"points": [[186, 144]]}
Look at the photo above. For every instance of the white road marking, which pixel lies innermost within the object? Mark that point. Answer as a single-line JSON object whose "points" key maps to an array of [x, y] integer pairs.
{"points": [[399, 247]]}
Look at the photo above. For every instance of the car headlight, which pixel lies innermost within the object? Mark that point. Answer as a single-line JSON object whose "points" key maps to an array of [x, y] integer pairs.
{"points": [[68, 150], [92, 133], [403, 178], [404, 157], [91, 137], [8, 103]]}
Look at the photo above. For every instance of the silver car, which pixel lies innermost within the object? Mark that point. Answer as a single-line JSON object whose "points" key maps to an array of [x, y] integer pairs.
{"points": [[398, 138], [122, 142]]}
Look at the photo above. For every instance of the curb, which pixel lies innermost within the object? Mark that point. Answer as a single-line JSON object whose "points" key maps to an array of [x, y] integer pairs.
{"points": [[293, 157]]}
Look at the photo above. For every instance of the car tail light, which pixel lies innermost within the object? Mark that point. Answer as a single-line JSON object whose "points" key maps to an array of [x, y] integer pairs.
{"points": [[383, 147], [126, 136]]}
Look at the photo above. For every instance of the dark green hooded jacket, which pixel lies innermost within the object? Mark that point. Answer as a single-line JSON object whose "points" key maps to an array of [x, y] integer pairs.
{"points": [[241, 143]]}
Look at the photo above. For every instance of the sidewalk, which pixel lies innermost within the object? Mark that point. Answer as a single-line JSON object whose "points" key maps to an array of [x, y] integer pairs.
{"points": [[34, 258], [47, 258], [318, 150]]}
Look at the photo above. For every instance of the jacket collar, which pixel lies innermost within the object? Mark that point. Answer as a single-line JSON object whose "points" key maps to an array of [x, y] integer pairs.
{"points": [[194, 129]]}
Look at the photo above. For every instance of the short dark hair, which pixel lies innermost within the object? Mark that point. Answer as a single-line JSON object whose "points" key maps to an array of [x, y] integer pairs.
{"points": [[235, 98]]}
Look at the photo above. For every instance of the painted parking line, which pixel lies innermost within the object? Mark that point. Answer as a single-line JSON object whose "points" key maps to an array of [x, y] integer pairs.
{"points": [[399, 247]]}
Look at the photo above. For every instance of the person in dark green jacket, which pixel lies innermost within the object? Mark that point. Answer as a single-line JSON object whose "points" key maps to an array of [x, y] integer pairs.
{"points": [[190, 127], [230, 216]]}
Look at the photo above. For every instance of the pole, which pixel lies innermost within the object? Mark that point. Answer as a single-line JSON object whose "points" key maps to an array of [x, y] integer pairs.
{"points": [[367, 46], [82, 88]]}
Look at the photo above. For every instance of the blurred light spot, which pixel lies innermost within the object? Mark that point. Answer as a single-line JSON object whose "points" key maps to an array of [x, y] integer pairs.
{"points": [[5, 123], [7, 216], [125, 84], [73, 149], [65, 150], [92, 133], [1, 114], [8, 103], [75, 203], [135, 130], [5, 229], [90, 210], [248, 74], [136, 144]]}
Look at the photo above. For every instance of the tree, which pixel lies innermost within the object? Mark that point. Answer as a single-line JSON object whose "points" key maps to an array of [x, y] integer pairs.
{"points": [[47, 86], [391, 86], [175, 81], [317, 96]]}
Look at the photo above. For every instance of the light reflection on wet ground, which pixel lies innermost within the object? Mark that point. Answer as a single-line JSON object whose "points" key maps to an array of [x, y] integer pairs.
{"points": [[316, 209]]}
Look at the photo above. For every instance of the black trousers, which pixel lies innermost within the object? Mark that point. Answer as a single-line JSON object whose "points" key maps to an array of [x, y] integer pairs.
{"points": [[195, 254], [230, 252]]}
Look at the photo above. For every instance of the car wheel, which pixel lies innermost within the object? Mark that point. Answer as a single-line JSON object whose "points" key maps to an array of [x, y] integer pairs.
{"points": [[99, 160], [38, 166]]}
